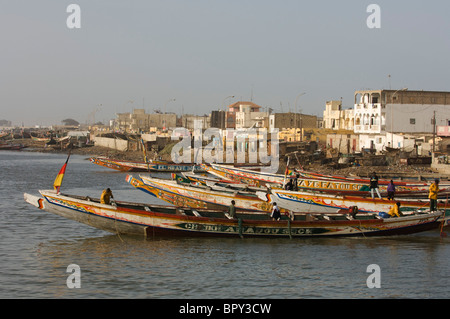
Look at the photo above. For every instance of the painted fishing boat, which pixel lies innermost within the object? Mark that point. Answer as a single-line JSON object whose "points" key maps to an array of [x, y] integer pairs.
{"points": [[261, 179], [197, 179], [189, 177], [11, 146], [138, 219], [199, 196], [305, 201], [151, 166], [315, 175]]}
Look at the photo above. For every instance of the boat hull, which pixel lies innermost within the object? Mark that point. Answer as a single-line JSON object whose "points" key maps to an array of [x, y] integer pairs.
{"points": [[128, 166], [350, 187], [303, 201], [136, 219]]}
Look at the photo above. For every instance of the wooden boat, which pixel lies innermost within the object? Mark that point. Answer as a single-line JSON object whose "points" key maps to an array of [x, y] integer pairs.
{"points": [[189, 177], [199, 196], [260, 179], [381, 182], [127, 218], [305, 201], [11, 146], [197, 179], [130, 166]]}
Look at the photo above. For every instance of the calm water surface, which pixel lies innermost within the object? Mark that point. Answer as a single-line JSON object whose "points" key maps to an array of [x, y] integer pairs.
{"points": [[37, 247]]}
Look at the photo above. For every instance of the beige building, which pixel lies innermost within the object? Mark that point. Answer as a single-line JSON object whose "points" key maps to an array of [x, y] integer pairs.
{"points": [[336, 118], [188, 121], [139, 121], [283, 121], [291, 126]]}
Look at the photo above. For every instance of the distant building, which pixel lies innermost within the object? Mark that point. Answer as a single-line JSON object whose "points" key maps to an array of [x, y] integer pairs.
{"points": [[381, 115], [218, 119], [292, 125], [188, 121], [139, 121], [244, 114], [335, 118]]}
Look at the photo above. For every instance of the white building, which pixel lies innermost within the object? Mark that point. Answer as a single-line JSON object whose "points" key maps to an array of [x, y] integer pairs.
{"points": [[381, 115], [246, 115]]}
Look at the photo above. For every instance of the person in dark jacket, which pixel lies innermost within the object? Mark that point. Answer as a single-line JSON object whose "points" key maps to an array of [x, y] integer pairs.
{"points": [[374, 185]]}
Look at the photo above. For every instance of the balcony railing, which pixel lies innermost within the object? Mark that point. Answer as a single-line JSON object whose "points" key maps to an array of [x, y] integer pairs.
{"points": [[365, 128]]}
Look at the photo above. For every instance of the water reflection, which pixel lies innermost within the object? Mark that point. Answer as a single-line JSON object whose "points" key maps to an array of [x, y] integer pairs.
{"points": [[115, 266]]}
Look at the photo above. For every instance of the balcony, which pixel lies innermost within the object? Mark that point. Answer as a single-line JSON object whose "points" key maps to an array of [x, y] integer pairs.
{"points": [[370, 129]]}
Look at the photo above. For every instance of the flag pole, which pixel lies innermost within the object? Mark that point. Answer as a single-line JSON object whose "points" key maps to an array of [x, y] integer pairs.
{"points": [[285, 172], [59, 178]]}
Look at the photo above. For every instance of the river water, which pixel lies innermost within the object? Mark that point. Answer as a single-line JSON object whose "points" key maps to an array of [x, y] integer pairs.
{"points": [[37, 248]]}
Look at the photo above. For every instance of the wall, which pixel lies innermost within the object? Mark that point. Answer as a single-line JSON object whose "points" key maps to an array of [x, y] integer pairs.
{"points": [[414, 118], [116, 144]]}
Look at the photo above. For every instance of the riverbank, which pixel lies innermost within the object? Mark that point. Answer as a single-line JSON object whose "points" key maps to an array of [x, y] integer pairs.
{"points": [[415, 172]]}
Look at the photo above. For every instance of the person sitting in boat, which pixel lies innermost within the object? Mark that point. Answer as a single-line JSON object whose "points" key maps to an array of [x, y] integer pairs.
{"points": [[395, 210], [106, 196], [232, 210], [276, 214]]}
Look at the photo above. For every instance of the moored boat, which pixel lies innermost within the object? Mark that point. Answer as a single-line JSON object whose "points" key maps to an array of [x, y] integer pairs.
{"points": [[306, 201], [131, 166], [127, 218], [199, 196], [335, 186]]}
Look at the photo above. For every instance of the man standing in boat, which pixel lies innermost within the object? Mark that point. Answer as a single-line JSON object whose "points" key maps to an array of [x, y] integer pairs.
{"points": [[295, 186], [391, 190], [433, 196], [374, 185]]}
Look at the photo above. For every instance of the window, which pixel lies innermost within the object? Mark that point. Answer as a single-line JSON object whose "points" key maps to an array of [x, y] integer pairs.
{"points": [[412, 121]]}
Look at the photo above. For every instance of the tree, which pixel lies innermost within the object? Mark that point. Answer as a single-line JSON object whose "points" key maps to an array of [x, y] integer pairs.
{"points": [[70, 122]]}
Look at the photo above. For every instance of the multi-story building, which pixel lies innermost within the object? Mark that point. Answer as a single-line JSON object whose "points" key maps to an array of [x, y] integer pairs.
{"points": [[244, 114], [218, 119], [139, 121], [189, 121], [291, 125], [336, 118], [382, 117]]}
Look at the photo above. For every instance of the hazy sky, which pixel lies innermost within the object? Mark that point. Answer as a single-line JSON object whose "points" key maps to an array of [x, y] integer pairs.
{"points": [[200, 52]]}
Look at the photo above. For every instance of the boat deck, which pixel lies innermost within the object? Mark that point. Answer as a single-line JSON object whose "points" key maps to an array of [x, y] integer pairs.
{"points": [[244, 215]]}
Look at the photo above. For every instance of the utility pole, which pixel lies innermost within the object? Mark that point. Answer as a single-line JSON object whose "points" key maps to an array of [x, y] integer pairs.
{"points": [[434, 131]]}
